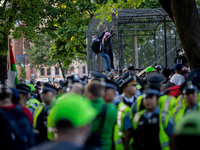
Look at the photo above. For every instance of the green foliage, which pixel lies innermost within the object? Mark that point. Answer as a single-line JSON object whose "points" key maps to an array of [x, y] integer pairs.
{"points": [[39, 52], [112, 6], [71, 38], [22, 73]]}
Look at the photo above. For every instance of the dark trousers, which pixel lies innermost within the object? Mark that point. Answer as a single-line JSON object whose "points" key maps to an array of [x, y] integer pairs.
{"points": [[110, 53]]}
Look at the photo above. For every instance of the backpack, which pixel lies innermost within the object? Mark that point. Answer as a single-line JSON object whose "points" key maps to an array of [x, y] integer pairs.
{"points": [[16, 130], [96, 46], [172, 91]]}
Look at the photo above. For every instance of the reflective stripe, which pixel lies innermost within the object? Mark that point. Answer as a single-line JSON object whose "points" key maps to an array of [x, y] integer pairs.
{"points": [[165, 144], [118, 141], [180, 100], [176, 112], [164, 114], [119, 114], [50, 129], [166, 107]]}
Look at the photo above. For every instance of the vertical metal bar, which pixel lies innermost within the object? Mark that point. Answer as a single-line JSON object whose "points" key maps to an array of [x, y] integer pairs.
{"points": [[122, 50], [118, 46], [165, 34], [155, 46]]}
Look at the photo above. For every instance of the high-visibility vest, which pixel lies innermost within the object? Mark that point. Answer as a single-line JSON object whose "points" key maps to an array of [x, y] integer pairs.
{"points": [[119, 134], [179, 112], [181, 101], [163, 122], [50, 126], [166, 103], [32, 103]]}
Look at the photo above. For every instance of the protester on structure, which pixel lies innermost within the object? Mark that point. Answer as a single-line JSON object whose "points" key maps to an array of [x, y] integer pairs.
{"points": [[105, 120], [107, 46], [72, 123], [178, 78], [15, 127], [187, 132], [153, 128], [97, 47], [180, 59], [43, 116]]}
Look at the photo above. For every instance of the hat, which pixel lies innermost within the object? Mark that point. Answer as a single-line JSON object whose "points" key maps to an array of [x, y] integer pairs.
{"points": [[23, 88], [98, 75], [150, 69], [129, 80], [189, 124], [178, 67], [189, 87], [130, 67], [111, 74], [73, 77], [158, 67], [111, 84], [32, 88], [150, 90], [155, 78], [48, 87], [118, 80], [75, 108]]}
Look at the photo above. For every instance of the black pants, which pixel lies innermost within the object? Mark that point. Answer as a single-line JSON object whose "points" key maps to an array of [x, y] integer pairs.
{"points": [[110, 53]]}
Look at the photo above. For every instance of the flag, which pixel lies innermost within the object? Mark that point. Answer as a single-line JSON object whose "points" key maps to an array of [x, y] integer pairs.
{"points": [[13, 69]]}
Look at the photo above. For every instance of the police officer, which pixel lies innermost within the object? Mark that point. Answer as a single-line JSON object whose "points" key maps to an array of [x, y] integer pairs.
{"points": [[152, 128], [32, 103], [43, 115], [190, 94], [129, 88], [166, 103]]}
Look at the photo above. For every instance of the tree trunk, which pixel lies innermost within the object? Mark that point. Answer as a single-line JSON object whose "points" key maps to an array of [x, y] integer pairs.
{"points": [[3, 59], [62, 69], [186, 18]]}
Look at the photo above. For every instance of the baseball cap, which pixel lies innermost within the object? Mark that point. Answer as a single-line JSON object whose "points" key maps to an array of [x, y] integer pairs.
{"points": [[32, 88], [189, 124], [75, 108], [178, 67], [150, 69], [111, 74]]}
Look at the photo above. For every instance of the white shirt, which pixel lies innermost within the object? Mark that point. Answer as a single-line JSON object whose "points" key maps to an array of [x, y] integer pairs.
{"points": [[177, 79]]}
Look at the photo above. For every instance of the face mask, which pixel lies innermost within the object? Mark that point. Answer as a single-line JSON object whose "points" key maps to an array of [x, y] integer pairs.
{"points": [[180, 53]]}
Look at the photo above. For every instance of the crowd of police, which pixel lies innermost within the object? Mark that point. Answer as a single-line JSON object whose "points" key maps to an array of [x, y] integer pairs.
{"points": [[123, 112]]}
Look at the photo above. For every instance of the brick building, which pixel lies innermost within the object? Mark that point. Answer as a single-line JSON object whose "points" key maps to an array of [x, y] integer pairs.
{"points": [[19, 50]]}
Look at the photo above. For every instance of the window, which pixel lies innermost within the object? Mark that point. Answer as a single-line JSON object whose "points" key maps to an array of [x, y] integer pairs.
{"points": [[66, 70], [42, 72], [83, 69], [57, 71], [72, 69], [49, 71]]}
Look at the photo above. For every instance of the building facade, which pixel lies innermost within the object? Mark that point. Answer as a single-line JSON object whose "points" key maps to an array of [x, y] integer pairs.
{"points": [[19, 50]]}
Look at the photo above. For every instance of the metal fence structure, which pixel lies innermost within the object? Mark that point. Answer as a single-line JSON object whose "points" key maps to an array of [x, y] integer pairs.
{"points": [[144, 37]]}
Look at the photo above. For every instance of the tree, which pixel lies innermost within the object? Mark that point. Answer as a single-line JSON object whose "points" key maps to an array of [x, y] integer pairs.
{"points": [[23, 18], [22, 69], [39, 52], [186, 18]]}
